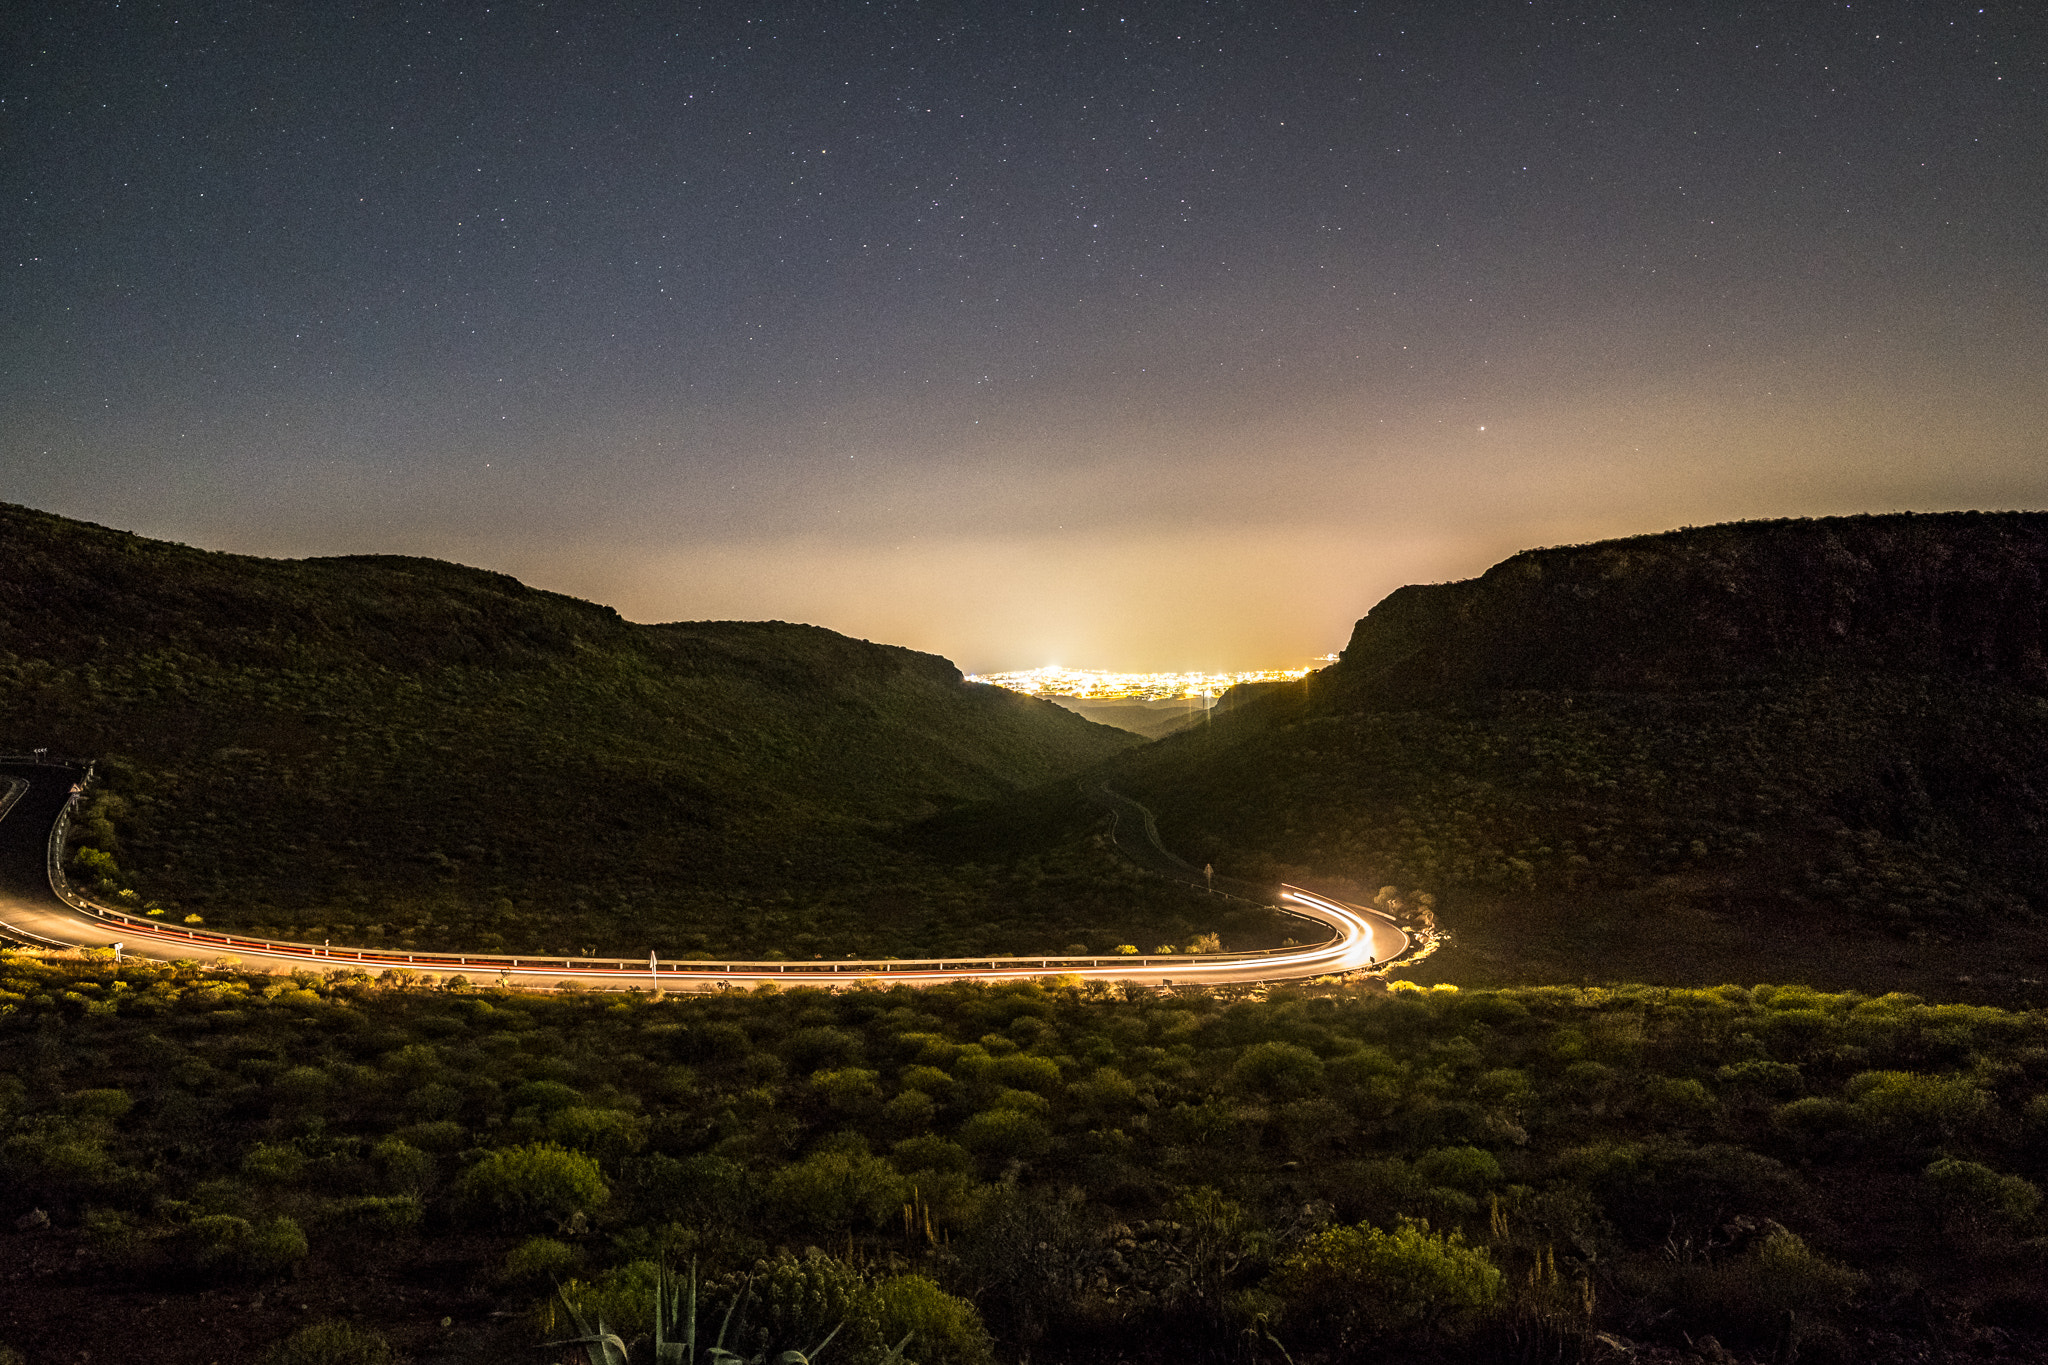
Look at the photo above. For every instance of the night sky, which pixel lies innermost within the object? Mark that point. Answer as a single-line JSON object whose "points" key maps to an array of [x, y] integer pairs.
{"points": [[1132, 336]]}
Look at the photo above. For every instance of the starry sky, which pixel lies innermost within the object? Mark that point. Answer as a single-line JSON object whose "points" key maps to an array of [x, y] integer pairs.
{"points": [[1116, 335]]}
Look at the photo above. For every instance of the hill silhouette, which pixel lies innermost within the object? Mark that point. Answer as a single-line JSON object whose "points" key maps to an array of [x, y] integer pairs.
{"points": [[398, 750], [1819, 747]]}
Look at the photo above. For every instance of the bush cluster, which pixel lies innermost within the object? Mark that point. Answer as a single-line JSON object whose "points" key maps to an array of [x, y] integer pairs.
{"points": [[1088, 1168]]}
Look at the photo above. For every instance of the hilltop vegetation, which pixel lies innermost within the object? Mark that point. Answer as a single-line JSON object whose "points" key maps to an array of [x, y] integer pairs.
{"points": [[1074, 1174], [407, 752], [1816, 744]]}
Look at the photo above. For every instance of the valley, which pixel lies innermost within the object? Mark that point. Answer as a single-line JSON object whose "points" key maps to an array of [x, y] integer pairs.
{"points": [[1730, 1044]]}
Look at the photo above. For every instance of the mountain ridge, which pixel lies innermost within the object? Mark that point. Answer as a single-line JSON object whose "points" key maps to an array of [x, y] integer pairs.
{"points": [[1905, 592]]}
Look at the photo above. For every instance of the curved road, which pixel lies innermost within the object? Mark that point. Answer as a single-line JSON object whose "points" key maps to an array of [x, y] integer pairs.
{"points": [[36, 907]]}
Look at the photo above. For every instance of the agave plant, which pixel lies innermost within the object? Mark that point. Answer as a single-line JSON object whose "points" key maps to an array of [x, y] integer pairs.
{"points": [[675, 1306]]}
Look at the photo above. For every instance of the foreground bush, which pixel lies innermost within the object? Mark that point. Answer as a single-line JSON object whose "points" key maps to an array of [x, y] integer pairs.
{"points": [[1353, 1281], [538, 1181]]}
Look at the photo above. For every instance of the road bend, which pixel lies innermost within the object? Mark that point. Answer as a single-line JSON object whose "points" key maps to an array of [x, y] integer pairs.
{"points": [[39, 908]]}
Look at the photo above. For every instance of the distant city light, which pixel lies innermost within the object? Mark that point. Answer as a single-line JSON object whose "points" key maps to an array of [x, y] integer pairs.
{"points": [[1092, 684]]}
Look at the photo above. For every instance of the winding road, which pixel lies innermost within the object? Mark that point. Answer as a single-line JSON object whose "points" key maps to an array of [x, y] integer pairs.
{"points": [[39, 908]]}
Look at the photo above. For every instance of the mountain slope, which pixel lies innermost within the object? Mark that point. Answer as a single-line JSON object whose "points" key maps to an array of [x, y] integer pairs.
{"points": [[372, 745], [1679, 757]]}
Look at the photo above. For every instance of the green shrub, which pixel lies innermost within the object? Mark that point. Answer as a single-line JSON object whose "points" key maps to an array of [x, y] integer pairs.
{"points": [[1461, 1168], [537, 1260], [331, 1343], [539, 1180], [1748, 1300], [98, 1106], [405, 1167], [1916, 1109], [302, 1085], [1279, 1069], [274, 1163], [1346, 1279], [838, 1189], [1975, 1199], [1678, 1103], [223, 1244], [443, 1136], [698, 1189], [849, 1090], [1815, 1127], [1022, 1072], [607, 1134], [930, 1153], [943, 1329], [1005, 1135], [1762, 1077], [546, 1096], [380, 1215]]}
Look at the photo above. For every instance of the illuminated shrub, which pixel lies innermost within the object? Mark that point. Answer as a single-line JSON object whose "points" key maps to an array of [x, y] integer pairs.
{"points": [[1005, 1135], [1676, 1102], [836, 1189], [1461, 1168], [380, 1215], [274, 1163], [331, 1343], [1974, 1199], [1916, 1109], [538, 1180], [848, 1091], [545, 1096], [1761, 1077], [605, 1133], [1278, 1069], [97, 1106], [1816, 1127], [1021, 1072], [930, 1153], [537, 1260], [1352, 1280], [802, 1300], [910, 1112], [943, 1329]]}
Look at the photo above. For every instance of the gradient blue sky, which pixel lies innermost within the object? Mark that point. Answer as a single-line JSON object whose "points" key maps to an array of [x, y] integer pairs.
{"points": [[1132, 336]]}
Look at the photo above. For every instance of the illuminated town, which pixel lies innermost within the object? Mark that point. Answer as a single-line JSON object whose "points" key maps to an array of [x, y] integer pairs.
{"points": [[1090, 684]]}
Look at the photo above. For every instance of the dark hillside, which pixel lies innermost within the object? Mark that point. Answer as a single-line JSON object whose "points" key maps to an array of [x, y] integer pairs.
{"points": [[1813, 748], [404, 749], [1958, 594]]}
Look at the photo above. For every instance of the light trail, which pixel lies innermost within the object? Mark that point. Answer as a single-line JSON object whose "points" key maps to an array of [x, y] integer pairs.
{"points": [[61, 917]]}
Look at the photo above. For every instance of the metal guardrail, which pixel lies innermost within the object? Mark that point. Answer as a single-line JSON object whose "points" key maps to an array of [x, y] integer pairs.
{"points": [[654, 969]]}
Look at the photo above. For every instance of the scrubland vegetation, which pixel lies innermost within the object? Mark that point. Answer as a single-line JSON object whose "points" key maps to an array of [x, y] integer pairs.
{"points": [[1531, 1174]]}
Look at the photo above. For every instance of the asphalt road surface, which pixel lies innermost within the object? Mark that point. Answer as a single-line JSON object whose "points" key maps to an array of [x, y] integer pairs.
{"points": [[32, 912]]}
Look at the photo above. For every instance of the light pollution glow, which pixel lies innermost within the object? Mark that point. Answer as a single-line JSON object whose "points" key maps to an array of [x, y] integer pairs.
{"points": [[1091, 684]]}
